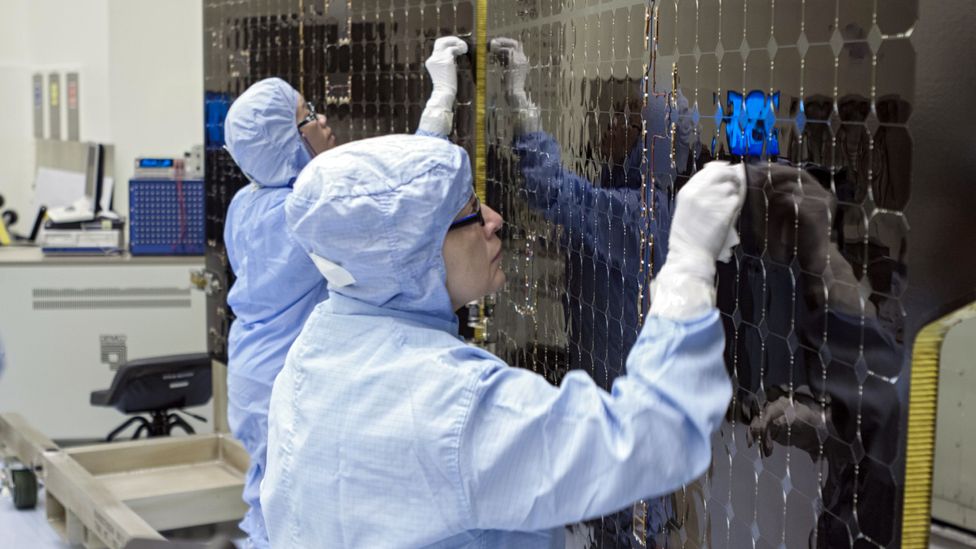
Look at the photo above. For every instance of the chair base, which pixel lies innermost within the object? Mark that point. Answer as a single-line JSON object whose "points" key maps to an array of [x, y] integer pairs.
{"points": [[161, 423]]}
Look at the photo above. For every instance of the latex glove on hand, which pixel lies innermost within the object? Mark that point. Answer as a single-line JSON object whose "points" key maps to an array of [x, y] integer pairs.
{"points": [[801, 423], [705, 213], [508, 52], [438, 115]]}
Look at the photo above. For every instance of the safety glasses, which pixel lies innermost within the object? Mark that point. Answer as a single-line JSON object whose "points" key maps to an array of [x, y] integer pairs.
{"points": [[310, 117], [469, 219]]}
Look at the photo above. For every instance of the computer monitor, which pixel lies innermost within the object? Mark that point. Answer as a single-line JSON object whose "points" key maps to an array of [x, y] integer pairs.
{"points": [[94, 176]]}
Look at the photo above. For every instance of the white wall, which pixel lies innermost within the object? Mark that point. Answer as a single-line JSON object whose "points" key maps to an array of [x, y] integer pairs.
{"points": [[156, 81], [16, 143], [141, 80], [954, 480], [73, 35]]}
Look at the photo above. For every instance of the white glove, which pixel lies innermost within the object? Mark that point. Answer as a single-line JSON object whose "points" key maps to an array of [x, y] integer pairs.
{"points": [[801, 423], [509, 53], [702, 232], [438, 115]]}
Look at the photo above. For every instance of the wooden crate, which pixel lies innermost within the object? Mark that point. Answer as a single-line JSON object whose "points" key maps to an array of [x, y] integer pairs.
{"points": [[22, 441], [105, 495]]}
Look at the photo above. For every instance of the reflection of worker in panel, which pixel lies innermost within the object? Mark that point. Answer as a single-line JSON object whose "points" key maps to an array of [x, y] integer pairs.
{"points": [[837, 401], [865, 164], [272, 133], [411, 437], [603, 221]]}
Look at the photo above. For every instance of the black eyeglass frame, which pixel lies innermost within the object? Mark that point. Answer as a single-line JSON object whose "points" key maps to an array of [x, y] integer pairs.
{"points": [[469, 219], [312, 116]]}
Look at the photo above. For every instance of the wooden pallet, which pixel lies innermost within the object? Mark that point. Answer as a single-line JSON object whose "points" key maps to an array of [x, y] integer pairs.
{"points": [[105, 495], [22, 441]]}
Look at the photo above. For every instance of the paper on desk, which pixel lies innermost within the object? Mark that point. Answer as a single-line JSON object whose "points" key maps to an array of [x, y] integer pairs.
{"points": [[57, 188], [60, 188]]}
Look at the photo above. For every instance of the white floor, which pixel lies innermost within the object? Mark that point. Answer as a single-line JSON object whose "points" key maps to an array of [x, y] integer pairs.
{"points": [[29, 530]]}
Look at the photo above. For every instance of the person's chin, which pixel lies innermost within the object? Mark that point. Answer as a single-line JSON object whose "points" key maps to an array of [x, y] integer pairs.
{"points": [[498, 280]]}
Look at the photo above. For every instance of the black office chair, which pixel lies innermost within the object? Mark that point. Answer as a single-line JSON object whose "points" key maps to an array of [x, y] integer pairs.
{"points": [[161, 387]]}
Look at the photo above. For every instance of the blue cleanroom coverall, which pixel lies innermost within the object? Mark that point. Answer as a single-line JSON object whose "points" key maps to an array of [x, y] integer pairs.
{"points": [[387, 430], [277, 284]]}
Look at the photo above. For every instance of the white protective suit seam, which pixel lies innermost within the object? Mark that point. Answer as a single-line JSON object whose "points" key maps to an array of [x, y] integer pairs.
{"points": [[298, 375], [440, 237], [472, 393], [397, 257], [389, 228], [295, 528], [398, 332], [357, 192]]}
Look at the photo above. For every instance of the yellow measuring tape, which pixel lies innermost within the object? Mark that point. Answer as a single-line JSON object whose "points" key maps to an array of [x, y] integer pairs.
{"points": [[480, 77]]}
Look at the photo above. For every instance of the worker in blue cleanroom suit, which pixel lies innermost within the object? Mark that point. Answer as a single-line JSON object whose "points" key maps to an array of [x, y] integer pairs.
{"points": [[272, 133], [387, 430], [277, 284]]}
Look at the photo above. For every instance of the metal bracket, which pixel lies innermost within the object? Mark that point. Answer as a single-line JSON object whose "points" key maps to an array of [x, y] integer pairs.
{"points": [[205, 280]]}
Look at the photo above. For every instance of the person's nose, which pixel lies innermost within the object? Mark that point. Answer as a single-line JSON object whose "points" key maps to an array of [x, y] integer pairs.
{"points": [[493, 221], [322, 120]]}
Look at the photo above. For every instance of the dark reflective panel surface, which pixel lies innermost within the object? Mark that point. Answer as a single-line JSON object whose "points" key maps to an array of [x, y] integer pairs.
{"points": [[627, 99], [360, 63], [815, 97]]}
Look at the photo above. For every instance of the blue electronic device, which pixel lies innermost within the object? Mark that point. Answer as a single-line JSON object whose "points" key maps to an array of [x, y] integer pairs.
{"points": [[155, 162], [750, 123], [166, 217]]}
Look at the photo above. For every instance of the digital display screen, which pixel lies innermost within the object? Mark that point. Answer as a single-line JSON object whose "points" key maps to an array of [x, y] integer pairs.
{"points": [[156, 163]]}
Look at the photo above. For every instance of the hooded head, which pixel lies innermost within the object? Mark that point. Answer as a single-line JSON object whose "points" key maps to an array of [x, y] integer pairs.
{"points": [[376, 212], [262, 134]]}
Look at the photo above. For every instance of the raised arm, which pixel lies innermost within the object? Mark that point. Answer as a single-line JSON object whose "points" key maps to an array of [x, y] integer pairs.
{"points": [[438, 115], [608, 220], [535, 456]]}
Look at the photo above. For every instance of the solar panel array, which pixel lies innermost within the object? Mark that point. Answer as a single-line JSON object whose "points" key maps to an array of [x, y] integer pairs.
{"points": [[632, 98]]}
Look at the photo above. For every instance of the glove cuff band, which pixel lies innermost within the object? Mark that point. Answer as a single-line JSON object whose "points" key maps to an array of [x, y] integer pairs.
{"points": [[679, 296], [436, 120]]}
